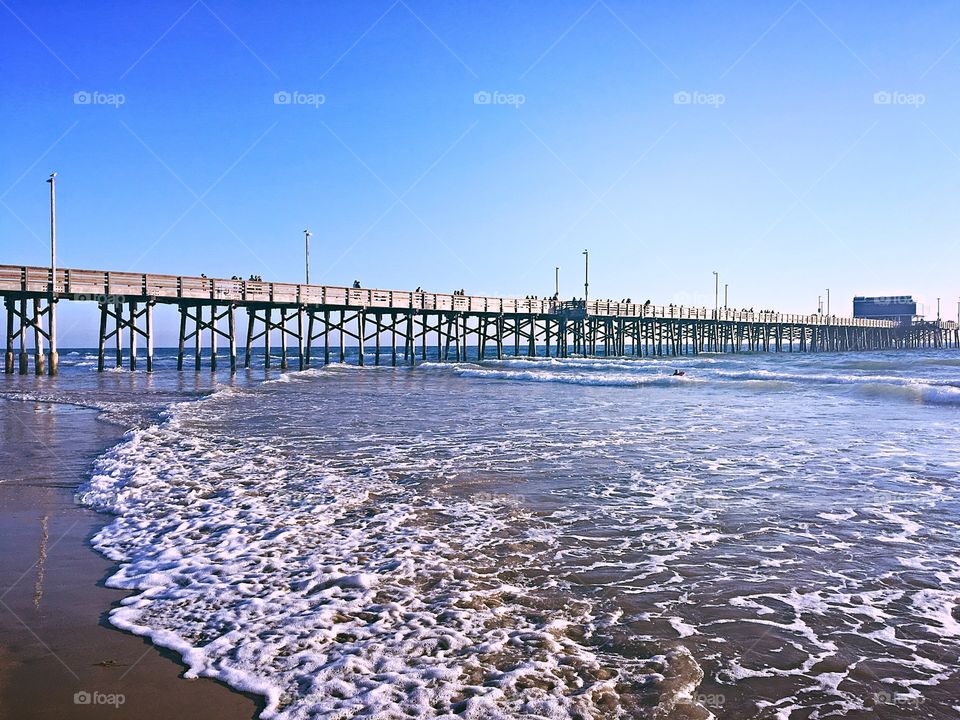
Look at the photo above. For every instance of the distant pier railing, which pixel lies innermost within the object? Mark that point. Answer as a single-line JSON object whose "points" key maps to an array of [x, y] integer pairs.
{"points": [[208, 305]]}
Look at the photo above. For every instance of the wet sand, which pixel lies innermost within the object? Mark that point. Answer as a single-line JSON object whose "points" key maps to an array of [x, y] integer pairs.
{"points": [[55, 639]]}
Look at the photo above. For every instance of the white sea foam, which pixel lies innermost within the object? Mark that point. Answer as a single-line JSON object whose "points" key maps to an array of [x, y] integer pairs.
{"points": [[437, 546], [839, 517], [646, 372], [606, 379], [331, 594]]}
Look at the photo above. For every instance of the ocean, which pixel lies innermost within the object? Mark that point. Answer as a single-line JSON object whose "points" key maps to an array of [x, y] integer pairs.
{"points": [[765, 536]]}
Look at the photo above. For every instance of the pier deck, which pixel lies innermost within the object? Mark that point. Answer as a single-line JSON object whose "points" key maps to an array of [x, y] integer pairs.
{"points": [[383, 320]]}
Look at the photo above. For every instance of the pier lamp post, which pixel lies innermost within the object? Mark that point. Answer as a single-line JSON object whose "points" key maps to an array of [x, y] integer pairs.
{"points": [[938, 309], [52, 319], [820, 304], [586, 275], [306, 240], [828, 302], [726, 288], [556, 282]]}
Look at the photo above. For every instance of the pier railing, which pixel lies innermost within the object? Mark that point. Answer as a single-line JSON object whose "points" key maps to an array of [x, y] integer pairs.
{"points": [[103, 286]]}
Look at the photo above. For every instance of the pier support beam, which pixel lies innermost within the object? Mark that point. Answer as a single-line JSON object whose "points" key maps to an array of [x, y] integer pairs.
{"points": [[131, 322], [353, 325], [8, 363], [263, 316], [23, 316], [194, 315]]}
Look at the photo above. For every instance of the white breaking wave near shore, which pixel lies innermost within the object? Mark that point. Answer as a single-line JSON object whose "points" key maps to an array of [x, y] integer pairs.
{"points": [[618, 372], [338, 595]]}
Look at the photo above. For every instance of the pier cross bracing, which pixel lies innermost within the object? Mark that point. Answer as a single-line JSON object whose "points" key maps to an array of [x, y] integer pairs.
{"points": [[314, 321]]}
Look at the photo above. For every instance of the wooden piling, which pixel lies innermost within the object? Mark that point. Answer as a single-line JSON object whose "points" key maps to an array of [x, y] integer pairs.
{"points": [[283, 338], [8, 363], [248, 345], [362, 334], [198, 338], [149, 322], [38, 360], [268, 319], [118, 334], [24, 358], [101, 345], [132, 328], [326, 337], [231, 328], [410, 341], [183, 336], [300, 355], [213, 338]]}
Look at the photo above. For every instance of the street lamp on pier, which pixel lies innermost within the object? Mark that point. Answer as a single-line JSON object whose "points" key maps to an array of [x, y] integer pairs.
{"points": [[306, 239], [52, 319], [586, 275]]}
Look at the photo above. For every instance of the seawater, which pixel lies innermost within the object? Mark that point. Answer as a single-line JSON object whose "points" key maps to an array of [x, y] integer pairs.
{"points": [[766, 536]]}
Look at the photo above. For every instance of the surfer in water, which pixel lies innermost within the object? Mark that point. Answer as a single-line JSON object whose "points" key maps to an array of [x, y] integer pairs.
{"points": [[678, 373]]}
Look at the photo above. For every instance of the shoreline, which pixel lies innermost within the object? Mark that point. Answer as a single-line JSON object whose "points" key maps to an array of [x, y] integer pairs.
{"points": [[54, 604]]}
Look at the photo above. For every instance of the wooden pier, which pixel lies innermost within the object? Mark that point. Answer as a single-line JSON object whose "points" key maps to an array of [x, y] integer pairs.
{"points": [[396, 327]]}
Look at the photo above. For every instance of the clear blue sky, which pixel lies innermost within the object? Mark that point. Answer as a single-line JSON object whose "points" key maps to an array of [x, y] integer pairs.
{"points": [[786, 172]]}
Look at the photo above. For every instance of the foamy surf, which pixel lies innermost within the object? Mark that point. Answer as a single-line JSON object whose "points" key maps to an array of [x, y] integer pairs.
{"points": [[660, 372], [526, 539], [334, 595]]}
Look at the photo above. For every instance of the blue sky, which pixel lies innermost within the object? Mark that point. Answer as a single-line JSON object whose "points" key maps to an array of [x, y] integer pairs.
{"points": [[791, 146]]}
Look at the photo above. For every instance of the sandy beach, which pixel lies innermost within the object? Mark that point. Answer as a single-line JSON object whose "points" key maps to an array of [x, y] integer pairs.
{"points": [[59, 657]]}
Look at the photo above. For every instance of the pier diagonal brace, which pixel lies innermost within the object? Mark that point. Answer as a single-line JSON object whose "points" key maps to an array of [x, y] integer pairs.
{"points": [[24, 316], [264, 317], [129, 322], [194, 322]]}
